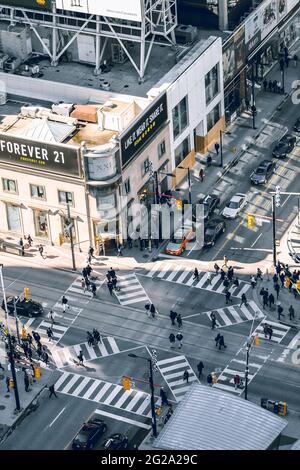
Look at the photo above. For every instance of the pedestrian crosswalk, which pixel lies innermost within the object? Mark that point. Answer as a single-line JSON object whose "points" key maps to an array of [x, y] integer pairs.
{"points": [[76, 292], [235, 314], [237, 366], [68, 355], [172, 370], [131, 291], [179, 274], [279, 331], [58, 330], [107, 393]]}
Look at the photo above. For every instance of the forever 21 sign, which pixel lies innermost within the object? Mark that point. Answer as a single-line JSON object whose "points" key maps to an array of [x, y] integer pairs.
{"points": [[47, 157]]}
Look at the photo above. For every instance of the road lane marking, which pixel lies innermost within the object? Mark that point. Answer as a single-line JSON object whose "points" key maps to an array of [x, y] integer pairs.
{"points": [[256, 240], [57, 417], [122, 418]]}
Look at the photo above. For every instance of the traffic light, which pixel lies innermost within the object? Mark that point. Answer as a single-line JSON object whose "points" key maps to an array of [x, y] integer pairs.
{"points": [[256, 340], [277, 196], [179, 204], [126, 382], [251, 221], [26, 293], [61, 239]]}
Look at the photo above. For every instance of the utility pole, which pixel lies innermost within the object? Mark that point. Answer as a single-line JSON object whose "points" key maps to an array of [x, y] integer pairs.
{"points": [[151, 383], [247, 369], [16, 319], [274, 230], [253, 97], [11, 351], [221, 148], [70, 227]]}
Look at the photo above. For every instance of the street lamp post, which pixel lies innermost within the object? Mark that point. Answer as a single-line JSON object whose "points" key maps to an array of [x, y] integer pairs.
{"points": [[247, 369], [70, 228], [11, 353], [221, 148], [274, 230], [16, 319], [253, 96], [151, 384]]}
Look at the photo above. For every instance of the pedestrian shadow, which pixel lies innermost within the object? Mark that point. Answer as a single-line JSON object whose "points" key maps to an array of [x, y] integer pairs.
{"points": [[50, 256], [87, 368]]}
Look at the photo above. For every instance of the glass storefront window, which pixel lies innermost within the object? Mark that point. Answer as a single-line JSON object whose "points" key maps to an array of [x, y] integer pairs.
{"points": [[13, 218], [213, 117], [180, 117], [212, 84], [65, 223], [182, 151], [40, 223]]}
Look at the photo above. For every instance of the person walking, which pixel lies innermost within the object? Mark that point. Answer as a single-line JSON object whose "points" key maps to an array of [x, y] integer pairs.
{"points": [[230, 273], [259, 274], [45, 358], [30, 241], [64, 302], [201, 174], [277, 289], [179, 320], [173, 316], [270, 332], [253, 282], [147, 308], [222, 342], [243, 300], [294, 290], [291, 313], [179, 338], [26, 382], [97, 336], [196, 274], [237, 381], [186, 376], [49, 333], [282, 278], [265, 298], [200, 367], [217, 147], [266, 329], [94, 290], [216, 268], [226, 283], [236, 282], [275, 278], [120, 251], [164, 397], [172, 340], [41, 251], [217, 339], [7, 381], [110, 287], [51, 389], [152, 311], [213, 320], [265, 84], [80, 358], [209, 380], [228, 297], [279, 312], [90, 339], [222, 274], [209, 278], [271, 301], [51, 318]]}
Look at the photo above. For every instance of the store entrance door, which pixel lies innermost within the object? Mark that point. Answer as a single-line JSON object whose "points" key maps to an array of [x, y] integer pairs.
{"points": [[13, 218]]}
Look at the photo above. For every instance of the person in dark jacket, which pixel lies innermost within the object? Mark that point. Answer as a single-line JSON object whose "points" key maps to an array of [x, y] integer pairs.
{"points": [[186, 376], [179, 338], [164, 397], [173, 316], [271, 300], [200, 367], [222, 342], [172, 340], [179, 320]]}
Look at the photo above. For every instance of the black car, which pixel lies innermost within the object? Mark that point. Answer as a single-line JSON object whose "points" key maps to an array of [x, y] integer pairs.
{"points": [[89, 434], [26, 308], [116, 442], [213, 230], [263, 172], [210, 202], [296, 127], [284, 146]]}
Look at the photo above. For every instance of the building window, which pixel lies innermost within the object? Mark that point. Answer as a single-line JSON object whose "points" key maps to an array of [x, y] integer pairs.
{"points": [[213, 117], [40, 223], [65, 197], [180, 117], [182, 151], [127, 186], [145, 167], [13, 218], [212, 84], [37, 191], [9, 185], [161, 149]]}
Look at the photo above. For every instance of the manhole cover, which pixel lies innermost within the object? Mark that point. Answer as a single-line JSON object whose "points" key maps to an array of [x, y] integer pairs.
{"points": [[2, 407]]}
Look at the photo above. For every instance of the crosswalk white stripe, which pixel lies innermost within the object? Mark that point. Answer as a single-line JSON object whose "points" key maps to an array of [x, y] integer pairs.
{"points": [[176, 366], [91, 389], [184, 275], [244, 289], [81, 386], [180, 382], [213, 282], [278, 325], [70, 384], [76, 289], [202, 281], [132, 301], [113, 344], [227, 388], [61, 379], [103, 349], [112, 395], [172, 275], [134, 401], [57, 358], [190, 281], [251, 364], [246, 312], [91, 351], [128, 288], [166, 268], [102, 392], [220, 289], [257, 312], [123, 398], [154, 269], [130, 295], [128, 283], [235, 314], [171, 359], [143, 405], [224, 317], [180, 391], [122, 418], [55, 327], [236, 372], [77, 349], [274, 338], [176, 374]]}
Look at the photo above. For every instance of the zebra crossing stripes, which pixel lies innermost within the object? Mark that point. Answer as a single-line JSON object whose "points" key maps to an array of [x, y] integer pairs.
{"points": [[77, 290], [279, 331], [110, 394], [235, 314], [172, 370], [63, 357], [58, 330], [179, 274], [131, 291]]}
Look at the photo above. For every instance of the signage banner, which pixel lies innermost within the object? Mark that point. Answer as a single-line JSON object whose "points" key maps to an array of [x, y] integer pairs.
{"points": [[38, 155], [234, 55], [33, 4], [282, 9], [126, 10], [142, 131], [269, 17]]}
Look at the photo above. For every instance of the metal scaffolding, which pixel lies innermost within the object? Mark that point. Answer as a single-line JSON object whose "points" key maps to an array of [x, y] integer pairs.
{"points": [[159, 20]]}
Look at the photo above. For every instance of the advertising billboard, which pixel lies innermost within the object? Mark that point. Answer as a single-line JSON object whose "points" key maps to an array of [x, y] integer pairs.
{"points": [[60, 159], [33, 4], [234, 55], [142, 131], [124, 9], [268, 17]]}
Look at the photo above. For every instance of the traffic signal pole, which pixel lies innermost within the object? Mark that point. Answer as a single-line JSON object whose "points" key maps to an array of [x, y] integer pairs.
{"points": [[274, 230], [71, 237], [151, 383]]}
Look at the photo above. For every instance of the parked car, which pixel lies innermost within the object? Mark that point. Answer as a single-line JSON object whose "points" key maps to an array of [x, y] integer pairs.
{"points": [[263, 172], [235, 205], [89, 434], [26, 308], [296, 127], [179, 241], [210, 202], [284, 146], [116, 442], [214, 228]]}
